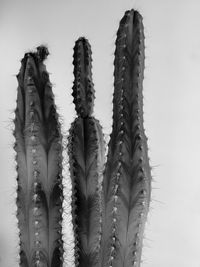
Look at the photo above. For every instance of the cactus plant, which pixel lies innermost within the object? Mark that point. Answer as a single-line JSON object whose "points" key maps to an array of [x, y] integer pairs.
{"points": [[110, 199], [39, 157], [125, 195]]}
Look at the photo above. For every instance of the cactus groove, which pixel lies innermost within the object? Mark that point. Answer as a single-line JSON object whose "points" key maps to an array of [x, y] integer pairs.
{"points": [[39, 165]]}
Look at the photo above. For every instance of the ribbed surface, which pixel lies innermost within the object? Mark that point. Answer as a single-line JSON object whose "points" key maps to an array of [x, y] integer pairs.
{"points": [[39, 162], [126, 185], [86, 148]]}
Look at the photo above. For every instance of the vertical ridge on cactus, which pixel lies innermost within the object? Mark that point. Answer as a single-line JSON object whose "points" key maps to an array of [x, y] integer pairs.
{"points": [[39, 158], [127, 178], [86, 156]]}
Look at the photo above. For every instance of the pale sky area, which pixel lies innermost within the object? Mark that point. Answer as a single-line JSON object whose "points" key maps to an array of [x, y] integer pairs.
{"points": [[171, 106]]}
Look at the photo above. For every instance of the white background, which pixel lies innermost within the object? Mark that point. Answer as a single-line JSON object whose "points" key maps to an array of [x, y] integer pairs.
{"points": [[171, 106]]}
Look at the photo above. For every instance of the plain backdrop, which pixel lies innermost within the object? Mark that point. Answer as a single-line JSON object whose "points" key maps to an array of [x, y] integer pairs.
{"points": [[171, 106]]}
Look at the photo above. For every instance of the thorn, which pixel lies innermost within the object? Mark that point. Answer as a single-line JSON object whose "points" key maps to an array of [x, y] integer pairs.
{"points": [[32, 114], [115, 210], [35, 196], [118, 174], [141, 159], [111, 258], [32, 127], [35, 173], [112, 248], [33, 150], [143, 203], [35, 209], [115, 189], [115, 198], [33, 137], [134, 253], [143, 192], [141, 169], [35, 185]]}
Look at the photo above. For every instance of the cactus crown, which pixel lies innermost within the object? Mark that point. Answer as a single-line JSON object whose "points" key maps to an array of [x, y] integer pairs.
{"points": [[83, 88]]}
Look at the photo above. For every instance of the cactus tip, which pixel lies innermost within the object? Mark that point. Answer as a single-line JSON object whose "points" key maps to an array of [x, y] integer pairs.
{"points": [[42, 52]]}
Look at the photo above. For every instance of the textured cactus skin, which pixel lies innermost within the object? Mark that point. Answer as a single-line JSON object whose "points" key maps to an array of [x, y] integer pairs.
{"points": [[39, 157], [83, 90], [86, 157], [127, 177]]}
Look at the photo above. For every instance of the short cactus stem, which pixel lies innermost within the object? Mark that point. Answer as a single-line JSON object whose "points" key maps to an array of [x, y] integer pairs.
{"points": [[83, 89], [86, 157]]}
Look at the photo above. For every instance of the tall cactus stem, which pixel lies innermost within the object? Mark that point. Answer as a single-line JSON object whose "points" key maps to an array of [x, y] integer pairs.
{"points": [[127, 177], [39, 165]]}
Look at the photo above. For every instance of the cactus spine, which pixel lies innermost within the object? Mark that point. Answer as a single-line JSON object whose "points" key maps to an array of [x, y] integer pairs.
{"points": [[39, 157], [86, 154]]}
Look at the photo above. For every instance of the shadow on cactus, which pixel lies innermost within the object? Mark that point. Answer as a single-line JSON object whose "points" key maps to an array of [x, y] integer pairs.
{"points": [[110, 198]]}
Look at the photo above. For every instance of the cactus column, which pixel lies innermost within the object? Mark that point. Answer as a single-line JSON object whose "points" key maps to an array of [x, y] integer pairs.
{"points": [[86, 154], [127, 178], [39, 161]]}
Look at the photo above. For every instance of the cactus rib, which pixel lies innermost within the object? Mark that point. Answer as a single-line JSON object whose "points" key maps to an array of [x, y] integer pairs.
{"points": [[127, 178], [39, 158]]}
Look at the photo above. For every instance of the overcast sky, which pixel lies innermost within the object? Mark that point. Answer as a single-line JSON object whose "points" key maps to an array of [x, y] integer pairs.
{"points": [[171, 105]]}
